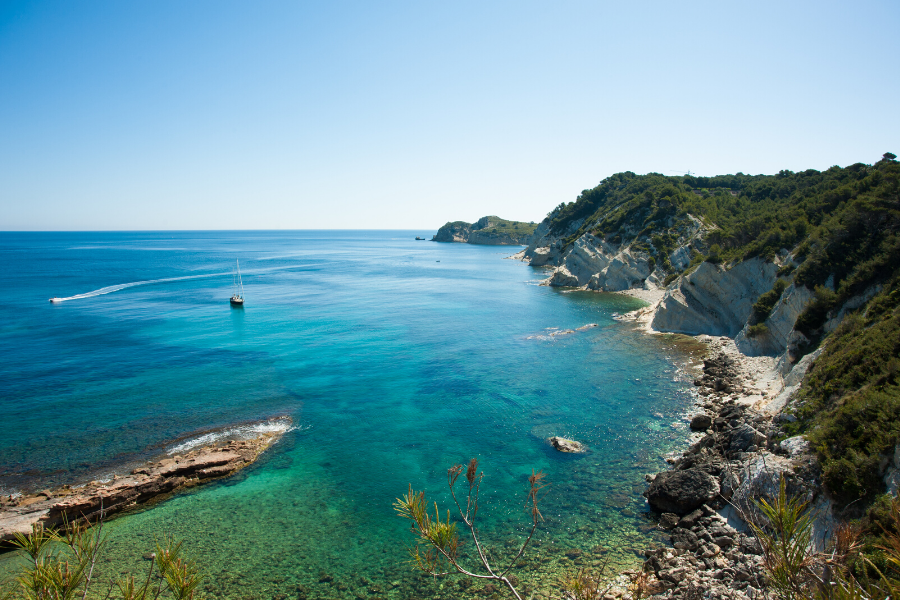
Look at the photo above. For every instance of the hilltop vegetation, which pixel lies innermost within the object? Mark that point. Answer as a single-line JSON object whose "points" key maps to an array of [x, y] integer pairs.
{"points": [[487, 230], [842, 226]]}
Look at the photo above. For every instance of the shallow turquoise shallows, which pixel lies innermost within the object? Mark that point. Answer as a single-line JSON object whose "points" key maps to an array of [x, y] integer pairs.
{"points": [[395, 358]]}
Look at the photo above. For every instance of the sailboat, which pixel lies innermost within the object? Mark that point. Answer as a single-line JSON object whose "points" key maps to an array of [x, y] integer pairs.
{"points": [[237, 298]]}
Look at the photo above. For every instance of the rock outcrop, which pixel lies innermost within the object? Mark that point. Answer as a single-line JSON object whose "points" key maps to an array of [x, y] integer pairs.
{"points": [[780, 333], [601, 266], [150, 482], [680, 492], [607, 264], [892, 474], [566, 445], [713, 300]]}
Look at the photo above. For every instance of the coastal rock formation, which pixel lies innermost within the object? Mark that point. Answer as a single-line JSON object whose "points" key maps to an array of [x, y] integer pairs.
{"points": [[780, 333], [713, 300], [732, 465], [708, 559], [144, 484], [680, 492], [701, 422], [566, 445], [607, 264], [491, 231], [601, 266]]}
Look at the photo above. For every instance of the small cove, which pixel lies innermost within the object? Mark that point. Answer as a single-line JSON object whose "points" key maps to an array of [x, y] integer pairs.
{"points": [[393, 366]]}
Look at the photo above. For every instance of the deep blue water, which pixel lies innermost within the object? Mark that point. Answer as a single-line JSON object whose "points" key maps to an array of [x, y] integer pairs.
{"points": [[395, 358]]}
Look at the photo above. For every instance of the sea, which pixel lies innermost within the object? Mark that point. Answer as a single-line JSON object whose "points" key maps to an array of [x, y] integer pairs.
{"points": [[395, 359]]}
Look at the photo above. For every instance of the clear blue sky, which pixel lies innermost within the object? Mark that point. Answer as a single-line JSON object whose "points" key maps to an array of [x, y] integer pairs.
{"points": [[163, 114]]}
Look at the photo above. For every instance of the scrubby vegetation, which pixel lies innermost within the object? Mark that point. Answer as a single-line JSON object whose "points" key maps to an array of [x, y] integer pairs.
{"points": [[841, 223], [850, 403], [494, 224], [765, 303], [498, 225], [441, 553], [59, 565], [795, 571], [836, 232]]}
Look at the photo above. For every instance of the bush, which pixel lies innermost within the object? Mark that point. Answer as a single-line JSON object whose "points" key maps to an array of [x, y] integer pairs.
{"points": [[766, 302], [755, 331], [816, 313], [785, 269], [441, 553]]}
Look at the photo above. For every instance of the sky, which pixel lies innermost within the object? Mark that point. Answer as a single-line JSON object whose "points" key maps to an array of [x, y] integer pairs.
{"points": [[163, 114]]}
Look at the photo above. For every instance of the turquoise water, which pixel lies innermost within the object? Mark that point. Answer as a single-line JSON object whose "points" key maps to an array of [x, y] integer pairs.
{"points": [[396, 359]]}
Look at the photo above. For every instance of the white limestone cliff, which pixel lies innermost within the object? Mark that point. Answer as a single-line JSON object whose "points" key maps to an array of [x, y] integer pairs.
{"points": [[780, 325], [714, 300]]}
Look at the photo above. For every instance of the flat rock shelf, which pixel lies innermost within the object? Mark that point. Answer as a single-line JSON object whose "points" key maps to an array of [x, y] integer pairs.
{"points": [[151, 482]]}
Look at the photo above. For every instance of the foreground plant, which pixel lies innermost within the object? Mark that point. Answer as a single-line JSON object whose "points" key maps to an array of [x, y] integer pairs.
{"points": [[60, 566], [795, 571], [586, 584], [441, 539]]}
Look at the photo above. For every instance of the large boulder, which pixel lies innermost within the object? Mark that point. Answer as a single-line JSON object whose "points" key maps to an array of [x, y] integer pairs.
{"points": [[681, 492], [745, 438], [566, 445], [701, 422]]}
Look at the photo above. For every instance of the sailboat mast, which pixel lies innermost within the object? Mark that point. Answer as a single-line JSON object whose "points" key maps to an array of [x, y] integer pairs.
{"points": [[239, 277]]}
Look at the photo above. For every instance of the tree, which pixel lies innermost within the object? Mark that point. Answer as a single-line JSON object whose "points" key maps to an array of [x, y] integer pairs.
{"points": [[441, 555]]}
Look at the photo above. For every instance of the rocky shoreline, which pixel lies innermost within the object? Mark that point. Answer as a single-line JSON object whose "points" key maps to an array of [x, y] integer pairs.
{"points": [[151, 482], [706, 498]]}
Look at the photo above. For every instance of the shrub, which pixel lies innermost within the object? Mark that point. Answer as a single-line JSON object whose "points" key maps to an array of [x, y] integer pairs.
{"points": [[755, 331], [766, 302], [785, 269], [61, 564]]}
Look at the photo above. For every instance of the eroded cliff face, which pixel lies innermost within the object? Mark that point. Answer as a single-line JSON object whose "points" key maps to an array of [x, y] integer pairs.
{"points": [[598, 264], [544, 248], [709, 299], [713, 300], [780, 333]]}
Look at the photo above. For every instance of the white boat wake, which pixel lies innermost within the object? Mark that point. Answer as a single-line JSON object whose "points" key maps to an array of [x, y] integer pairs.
{"points": [[121, 286]]}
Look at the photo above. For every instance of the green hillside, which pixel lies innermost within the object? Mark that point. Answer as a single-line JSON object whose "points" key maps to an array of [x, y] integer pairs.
{"points": [[497, 225], [842, 227]]}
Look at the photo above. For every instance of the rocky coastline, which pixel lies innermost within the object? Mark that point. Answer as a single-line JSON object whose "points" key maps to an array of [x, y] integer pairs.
{"points": [[229, 451], [705, 500], [755, 364]]}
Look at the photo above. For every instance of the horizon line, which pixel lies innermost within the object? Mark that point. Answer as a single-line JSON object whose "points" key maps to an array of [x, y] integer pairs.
{"points": [[2, 231]]}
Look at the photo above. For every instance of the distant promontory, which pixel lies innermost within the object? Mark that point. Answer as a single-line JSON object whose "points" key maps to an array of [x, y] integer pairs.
{"points": [[491, 230]]}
